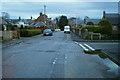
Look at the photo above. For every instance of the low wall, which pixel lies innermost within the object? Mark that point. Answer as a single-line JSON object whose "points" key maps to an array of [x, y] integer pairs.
{"points": [[85, 34], [9, 35]]}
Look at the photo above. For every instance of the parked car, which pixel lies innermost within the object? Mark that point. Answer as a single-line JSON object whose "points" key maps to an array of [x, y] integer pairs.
{"points": [[47, 32], [66, 29], [57, 30]]}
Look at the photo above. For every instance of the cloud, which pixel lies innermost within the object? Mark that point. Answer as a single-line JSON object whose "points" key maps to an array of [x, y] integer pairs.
{"points": [[60, 0], [27, 9]]}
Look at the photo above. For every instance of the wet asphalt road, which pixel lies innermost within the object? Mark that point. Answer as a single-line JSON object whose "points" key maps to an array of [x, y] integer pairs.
{"points": [[54, 56]]}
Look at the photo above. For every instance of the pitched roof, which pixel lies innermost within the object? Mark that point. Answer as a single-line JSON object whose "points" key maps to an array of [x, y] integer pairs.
{"points": [[12, 21], [95, 21], [113, 18], [40, 24]]}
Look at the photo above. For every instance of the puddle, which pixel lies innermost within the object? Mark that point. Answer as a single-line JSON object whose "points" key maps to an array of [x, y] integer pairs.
{"points": [[100, 54]]}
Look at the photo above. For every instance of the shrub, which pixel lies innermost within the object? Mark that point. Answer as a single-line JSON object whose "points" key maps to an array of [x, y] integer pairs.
{"points": [[106, 27], [21, 27], [29, 32], [11, 27], [92, 28]]}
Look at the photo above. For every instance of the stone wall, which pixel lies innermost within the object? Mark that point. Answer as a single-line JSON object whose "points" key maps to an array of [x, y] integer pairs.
{"points": [[9, 35], [85, 34]]}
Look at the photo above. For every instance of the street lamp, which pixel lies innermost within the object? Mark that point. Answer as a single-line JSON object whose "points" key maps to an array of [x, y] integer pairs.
{"points": [[76, 18]]}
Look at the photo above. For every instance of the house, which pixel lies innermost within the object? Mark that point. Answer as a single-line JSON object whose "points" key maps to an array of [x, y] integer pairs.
{"points": [[93, 21], [19, 21], [41, 18], [38, 24], [114, 19], [89, 21], [41, 21], [75, 22]]}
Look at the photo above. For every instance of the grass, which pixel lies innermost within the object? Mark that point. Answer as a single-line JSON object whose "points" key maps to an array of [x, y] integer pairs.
{"points": [[99, 53]]}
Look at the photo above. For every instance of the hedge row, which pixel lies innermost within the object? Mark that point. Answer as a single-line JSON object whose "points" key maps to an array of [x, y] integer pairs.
{"points": [[92, 28], [29, 32]]}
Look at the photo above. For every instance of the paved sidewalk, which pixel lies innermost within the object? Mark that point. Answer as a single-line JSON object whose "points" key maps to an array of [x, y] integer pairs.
{"points": [[111, 51], [17, 41]]}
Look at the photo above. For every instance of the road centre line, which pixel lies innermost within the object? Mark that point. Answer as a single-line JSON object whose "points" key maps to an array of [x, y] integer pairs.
{"points": [[55, 60], [89, 47]]}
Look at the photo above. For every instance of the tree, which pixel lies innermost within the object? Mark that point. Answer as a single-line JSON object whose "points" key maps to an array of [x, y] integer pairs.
{"points": [[5, 15], [106, 27], [63, 22]]}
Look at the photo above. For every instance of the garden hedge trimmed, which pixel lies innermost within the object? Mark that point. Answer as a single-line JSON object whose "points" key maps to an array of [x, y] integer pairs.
{"points": [[29, 32]]}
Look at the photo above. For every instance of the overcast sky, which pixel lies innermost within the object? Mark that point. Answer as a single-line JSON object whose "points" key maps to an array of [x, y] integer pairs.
{"points": [[54, 9]]}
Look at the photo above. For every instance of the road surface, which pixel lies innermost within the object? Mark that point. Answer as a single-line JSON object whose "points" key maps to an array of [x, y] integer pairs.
{"points": [[54, 56]]}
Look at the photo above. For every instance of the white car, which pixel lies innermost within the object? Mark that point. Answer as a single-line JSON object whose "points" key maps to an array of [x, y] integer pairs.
{"points": [[57, 30], [66, 29]]}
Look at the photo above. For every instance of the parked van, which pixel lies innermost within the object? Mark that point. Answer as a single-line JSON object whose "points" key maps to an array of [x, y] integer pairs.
{"points": [[66, 29]]}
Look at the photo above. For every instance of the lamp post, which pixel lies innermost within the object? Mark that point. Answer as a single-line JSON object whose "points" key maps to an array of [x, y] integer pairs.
{"points": [[76, 19]]}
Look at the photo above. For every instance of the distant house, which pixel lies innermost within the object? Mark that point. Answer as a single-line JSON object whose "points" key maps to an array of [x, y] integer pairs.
{"points": [[19, 22], [113, 18], [38, 24], [92, 21], [41, 18], [89, 21], [24, 22], [75, 22], [41, 21]]}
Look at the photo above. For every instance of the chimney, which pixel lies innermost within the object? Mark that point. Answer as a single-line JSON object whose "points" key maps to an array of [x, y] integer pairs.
{"points": [[31, 17], [19, 18], [104, 14], [41, 14]]}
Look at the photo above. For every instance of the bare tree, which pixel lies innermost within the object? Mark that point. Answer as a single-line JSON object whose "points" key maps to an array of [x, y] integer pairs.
{"points": [[5, 15]]}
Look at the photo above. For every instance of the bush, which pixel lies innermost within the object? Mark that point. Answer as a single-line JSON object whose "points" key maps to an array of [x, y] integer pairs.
{"points": [[92, 28], [29, 32], [106, 27], [11, 27]]}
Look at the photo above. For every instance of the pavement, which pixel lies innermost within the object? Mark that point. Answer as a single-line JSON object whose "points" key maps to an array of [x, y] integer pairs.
{"points": [[108, 47], [54, 56], [18, 41]]}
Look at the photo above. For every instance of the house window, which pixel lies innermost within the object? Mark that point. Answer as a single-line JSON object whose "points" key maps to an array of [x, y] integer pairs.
{"points": [[114, 27]]}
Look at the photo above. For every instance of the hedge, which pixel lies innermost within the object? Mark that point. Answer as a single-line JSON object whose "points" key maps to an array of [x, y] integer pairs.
{"points": [[29, 32], [92, 28], [106, 27]]}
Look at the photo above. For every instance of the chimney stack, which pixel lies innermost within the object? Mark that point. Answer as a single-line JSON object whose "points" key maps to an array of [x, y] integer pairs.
{"points": [[104, 14]]}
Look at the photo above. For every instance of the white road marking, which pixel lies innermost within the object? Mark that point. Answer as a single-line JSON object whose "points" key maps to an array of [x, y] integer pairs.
{"points": [[55, 60], [89, 47], [83, 47], [76, 42], [65, 57]]}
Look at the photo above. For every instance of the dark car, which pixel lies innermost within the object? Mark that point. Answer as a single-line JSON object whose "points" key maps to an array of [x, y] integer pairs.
{"points": [[47, 32]]}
